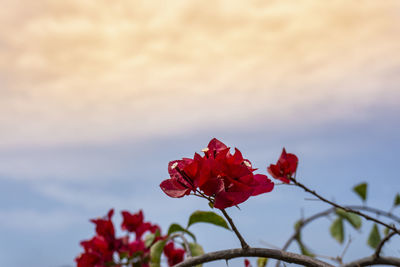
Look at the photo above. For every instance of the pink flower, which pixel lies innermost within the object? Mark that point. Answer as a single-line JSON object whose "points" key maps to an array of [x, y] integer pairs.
{"points": [[285, 168]]}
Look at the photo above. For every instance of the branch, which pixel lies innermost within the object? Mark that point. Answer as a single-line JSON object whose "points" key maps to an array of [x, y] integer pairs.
{"points": [[376, 211], [391, 227], [380, 246], [239, 236], [306, 221], [371, 260], [254, 252], [185, 242]]}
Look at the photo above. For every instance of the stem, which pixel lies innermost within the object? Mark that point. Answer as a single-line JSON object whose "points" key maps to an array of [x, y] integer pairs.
{"points": [[239, 236], [393, 228], [380, 246], [185, 242], [371, 260], [304, 222], [254, 252]]}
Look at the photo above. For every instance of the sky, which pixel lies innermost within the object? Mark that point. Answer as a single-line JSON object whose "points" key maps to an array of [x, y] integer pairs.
{"points": [[96, 97]]}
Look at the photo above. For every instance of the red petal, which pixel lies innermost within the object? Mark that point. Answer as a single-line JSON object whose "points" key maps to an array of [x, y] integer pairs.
{"points": [[284, 179], [216, 145], [292, 160], [274, 171], [228, 199], [212, 186], [263, 184], [173, 188], [237, 157]]}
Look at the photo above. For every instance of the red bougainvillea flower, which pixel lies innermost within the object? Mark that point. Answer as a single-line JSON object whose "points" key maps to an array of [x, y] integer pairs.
{"points": [[181, 183], [285, 168], [98, 245], [174, 255], [136, 246], [105, 249], [105, 227], [89, 259], [226, 179], [134, 223], [131, 221], [97, 252]]}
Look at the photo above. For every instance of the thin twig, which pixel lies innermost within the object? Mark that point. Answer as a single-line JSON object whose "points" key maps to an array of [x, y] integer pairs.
{"points": [[380, 245], [393, 228], [371, 260], [254, 252], [185, 242], [304, 222], [345, 249], [239, 236]]}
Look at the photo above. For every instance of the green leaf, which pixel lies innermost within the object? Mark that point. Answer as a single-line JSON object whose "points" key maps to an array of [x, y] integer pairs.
{"points": [[262, 262], [337, 230], [352, 218], [386, 231], [396, 200], [149, 239], [155, 253], [361, 190], [196, 250], [207, 217], [374, 237], [177, 228]]}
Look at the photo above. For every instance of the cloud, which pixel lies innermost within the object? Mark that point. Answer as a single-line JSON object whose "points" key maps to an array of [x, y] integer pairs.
{"points": [[93, 71]]}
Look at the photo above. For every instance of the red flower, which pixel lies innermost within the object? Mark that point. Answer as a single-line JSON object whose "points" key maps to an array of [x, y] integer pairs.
{"points": [[225, 178], [180, 183], [174, 255], [285, 168], [131, 222], [136, 246], [134, 223], [89, 259], [105, 227], [101, 250], [98, 245], [97, 252]]}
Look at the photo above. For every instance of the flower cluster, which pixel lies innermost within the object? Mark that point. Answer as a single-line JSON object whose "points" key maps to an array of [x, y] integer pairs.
{"points": [[285, 168], [105, 249], [223, 178]]}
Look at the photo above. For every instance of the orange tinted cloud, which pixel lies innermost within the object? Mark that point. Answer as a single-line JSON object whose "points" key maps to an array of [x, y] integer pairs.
{"points": [[92, 71]]}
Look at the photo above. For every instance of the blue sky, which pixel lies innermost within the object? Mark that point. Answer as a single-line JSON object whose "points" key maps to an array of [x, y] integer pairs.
{"points": [[48, 199], [95, 100]]}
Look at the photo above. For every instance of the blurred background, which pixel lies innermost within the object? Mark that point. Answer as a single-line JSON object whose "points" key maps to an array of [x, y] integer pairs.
{"points": [[97, 96]]}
